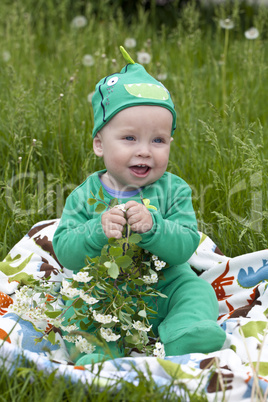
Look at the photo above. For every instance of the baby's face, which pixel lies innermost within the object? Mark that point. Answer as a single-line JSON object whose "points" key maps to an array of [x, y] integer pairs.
{"points": [[135, 146]]}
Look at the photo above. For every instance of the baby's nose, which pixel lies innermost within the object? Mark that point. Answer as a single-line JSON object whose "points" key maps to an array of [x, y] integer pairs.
{"points": [[144, 151]]}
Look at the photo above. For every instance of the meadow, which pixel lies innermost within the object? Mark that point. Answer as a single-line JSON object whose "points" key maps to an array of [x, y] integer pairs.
{"points": [[50, 63]]}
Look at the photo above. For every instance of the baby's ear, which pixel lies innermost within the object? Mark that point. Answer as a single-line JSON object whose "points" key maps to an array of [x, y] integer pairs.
{"points": [[97, 145]]}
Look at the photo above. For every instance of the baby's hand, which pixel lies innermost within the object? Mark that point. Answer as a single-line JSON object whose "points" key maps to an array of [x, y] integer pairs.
{"points": [[113, 222], [138, 217]]}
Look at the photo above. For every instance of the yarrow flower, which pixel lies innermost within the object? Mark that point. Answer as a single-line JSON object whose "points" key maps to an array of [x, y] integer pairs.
{"points": [[252, 33], [79, 22], [139, 326], [88, 60], [159, 350], [227, 23], [108, 335], [143, 57], [82, 277], [104, 319], [150, 279], [130, 42]]}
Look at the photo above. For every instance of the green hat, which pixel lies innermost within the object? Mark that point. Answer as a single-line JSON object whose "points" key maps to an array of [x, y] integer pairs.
{"points": [[133, 86]]}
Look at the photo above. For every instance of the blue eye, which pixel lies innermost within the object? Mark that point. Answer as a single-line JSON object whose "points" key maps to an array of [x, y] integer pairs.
{"points": [[158, 140], [129, 138]]}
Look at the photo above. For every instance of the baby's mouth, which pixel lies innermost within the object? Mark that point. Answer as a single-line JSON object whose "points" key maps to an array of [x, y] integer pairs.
{"points": [[140, 170]]}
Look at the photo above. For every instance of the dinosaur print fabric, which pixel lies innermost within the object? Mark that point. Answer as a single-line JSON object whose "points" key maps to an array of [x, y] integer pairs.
{"points": [[240, 284]]}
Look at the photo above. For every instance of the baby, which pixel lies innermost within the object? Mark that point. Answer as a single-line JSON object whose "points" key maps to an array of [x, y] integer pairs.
{"points": [[134, 121]]}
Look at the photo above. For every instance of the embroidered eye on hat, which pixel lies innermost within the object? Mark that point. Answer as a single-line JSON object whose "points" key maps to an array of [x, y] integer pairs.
{"points": [[133, 86]]}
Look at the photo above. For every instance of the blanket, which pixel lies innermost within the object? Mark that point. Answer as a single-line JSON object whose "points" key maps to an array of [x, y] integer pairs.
{"points": [[236, 372]]}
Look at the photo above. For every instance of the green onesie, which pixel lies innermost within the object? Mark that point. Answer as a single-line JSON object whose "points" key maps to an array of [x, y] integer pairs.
{"points": [[186, 321]]}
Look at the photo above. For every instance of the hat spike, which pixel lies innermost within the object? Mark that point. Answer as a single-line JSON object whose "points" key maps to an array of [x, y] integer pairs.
{"points": [[126, 55]]}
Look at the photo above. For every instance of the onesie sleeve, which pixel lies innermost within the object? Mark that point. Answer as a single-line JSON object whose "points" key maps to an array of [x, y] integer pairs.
{"points": [[79, 233], [174, 236]]}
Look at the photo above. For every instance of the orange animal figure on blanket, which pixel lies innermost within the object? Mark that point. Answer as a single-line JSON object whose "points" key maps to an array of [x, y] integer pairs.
{"points": [[222, 281], [5, 301]]}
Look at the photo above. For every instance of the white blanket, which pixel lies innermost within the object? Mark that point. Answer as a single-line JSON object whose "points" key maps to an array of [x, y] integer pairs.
{"points": [[236, 371]]}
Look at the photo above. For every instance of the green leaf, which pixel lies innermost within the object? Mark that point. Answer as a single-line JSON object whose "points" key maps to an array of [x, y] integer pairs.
{"points": [[91, 201], [116, 251], [79, 303], [53, 314], [114, 202], [113, 241], [142, 313], [162, 295], [124, 261], [101, 194], [130, 253], [151, 310], [83, 326], [113, 271], [134, 238], [51, 337], [100, 208], [138, 282], [129, 310], [103, 259]]}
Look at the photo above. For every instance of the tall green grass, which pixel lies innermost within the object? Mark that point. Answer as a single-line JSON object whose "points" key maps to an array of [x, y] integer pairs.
{"points": [[220, 145]]}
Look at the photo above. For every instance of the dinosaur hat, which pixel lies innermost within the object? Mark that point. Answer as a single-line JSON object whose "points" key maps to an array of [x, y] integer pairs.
{"points": [[133, 86]]}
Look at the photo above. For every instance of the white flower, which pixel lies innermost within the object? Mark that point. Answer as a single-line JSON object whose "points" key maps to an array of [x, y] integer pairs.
{"points": [[79, 22], [108, 335], [227, 23], [143, 57], [252, 33], [88, 60], [89, 97], [122, 207], [104, 319], [150, 279], [67, 290], [87, 298], [130, 42], [6, 55], [83, 345], [70, 328], [70, 338], [125, 327], [159, 265], [154, 257], [139, 326], [159, 350], [82, 277]]}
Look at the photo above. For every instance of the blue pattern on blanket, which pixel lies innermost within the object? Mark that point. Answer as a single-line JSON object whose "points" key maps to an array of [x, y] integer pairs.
{"points": [[252, 278]]}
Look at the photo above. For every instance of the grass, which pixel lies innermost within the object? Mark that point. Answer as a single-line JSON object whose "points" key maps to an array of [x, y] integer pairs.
{"points": [[29, 384], [219, 88]]}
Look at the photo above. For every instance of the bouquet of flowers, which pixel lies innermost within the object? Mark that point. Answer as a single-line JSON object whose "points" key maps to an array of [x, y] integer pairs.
{"points": [[109, 298]]}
